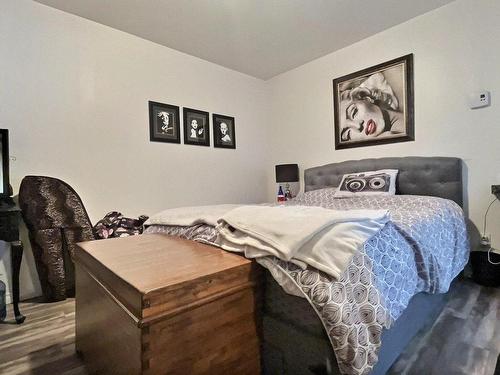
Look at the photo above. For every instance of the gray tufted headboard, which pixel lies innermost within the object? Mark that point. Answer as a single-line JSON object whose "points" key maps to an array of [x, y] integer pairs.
{"points": [[434, 176]]}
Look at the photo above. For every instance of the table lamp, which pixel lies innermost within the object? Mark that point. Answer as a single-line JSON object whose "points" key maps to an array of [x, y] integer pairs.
{"points": [[286, 173]]}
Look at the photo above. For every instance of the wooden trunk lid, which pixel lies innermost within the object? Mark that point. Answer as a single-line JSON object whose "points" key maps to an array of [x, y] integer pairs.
{"points": [[154, 276]]}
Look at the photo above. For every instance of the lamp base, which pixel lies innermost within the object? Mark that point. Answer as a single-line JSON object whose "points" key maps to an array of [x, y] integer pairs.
{"points": [[288, 194]]}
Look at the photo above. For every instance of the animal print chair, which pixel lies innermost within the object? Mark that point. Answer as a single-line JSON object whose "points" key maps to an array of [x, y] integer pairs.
{"points": [[56, 220]]}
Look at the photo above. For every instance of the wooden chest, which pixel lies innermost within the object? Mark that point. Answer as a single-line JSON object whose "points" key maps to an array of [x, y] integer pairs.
{"points": [[154, 304]]}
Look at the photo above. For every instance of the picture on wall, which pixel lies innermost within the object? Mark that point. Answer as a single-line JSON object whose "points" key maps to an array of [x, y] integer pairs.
{"points": [[375, 105], [224, 133], [196, 127], [164, 123]]}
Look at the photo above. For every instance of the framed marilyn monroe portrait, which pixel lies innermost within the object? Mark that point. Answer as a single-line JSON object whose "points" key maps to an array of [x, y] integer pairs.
{"points": [[375, 105]]}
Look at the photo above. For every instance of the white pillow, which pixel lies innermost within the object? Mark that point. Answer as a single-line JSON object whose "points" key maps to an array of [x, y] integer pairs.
{"points": [[368, 183]]}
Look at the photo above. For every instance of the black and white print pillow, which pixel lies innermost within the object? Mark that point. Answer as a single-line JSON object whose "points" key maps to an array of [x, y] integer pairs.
{"points": [[368, 183]]}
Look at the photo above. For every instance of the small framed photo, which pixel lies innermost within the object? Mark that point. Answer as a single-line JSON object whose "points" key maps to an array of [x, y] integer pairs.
{"points": [[164, 123], [224, 134], [196, 127], [374, 106]]}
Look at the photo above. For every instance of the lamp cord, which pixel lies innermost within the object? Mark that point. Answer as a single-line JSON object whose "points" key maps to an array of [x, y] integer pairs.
{"points": [[489, 258], [484, 232], [486, 216]]}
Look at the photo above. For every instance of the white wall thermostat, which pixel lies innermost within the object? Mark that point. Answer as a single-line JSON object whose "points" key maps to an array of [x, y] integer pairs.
{"points": [[479, 99]]}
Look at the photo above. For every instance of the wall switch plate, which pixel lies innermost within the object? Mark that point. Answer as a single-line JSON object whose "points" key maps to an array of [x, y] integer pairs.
{"points": [[479, 99]]}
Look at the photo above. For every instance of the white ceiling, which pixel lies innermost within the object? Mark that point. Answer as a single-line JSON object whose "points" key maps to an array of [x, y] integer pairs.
{"points": [[261, 38]]}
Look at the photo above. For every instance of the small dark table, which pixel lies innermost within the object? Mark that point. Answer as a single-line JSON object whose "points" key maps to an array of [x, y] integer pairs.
{"points": [[10, 217]]}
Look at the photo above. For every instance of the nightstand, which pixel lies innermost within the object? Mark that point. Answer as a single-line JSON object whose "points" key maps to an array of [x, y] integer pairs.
{"points": [[10, 217]]}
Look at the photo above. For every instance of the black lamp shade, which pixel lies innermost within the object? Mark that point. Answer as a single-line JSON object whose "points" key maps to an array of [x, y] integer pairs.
{"points": [[287, 173]]}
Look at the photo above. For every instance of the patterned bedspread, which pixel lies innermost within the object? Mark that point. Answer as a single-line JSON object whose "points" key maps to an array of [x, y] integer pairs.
{"points": [[422, 249]]}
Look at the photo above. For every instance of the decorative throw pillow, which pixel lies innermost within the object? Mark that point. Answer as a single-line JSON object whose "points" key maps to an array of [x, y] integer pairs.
{"points": [[115, 225], [368, 183]]}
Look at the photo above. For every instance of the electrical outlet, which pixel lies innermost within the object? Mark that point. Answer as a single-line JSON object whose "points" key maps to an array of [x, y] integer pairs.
{"points": [[485, 241]]}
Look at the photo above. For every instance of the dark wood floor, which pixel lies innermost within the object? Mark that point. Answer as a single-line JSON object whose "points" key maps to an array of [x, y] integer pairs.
{"points": [[465, 339], [44, 343]]}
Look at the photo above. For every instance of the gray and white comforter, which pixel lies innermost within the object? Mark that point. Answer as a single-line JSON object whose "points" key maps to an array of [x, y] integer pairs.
{"points": [[422, 249]]}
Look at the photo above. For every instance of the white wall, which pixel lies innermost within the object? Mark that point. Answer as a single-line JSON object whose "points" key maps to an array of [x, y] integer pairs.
{"points": [[456, 50], [74, 95]]}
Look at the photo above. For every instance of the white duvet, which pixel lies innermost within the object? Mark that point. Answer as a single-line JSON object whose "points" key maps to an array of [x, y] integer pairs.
{"points": [[322, 238]]}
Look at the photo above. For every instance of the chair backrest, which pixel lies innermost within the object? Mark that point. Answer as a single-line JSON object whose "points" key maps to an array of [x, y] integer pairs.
{"points": [[48, 202], [56, 220]]}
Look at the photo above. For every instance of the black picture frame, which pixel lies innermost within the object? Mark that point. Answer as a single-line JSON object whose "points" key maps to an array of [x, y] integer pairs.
{"points": [[164, 123], [370, 88], [221, 139], [199, 136]]}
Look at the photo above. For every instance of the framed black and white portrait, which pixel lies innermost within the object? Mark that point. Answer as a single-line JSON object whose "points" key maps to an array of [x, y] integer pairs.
{"points": [[196, 127], [164, 123], [224, 134], [375, 105]]}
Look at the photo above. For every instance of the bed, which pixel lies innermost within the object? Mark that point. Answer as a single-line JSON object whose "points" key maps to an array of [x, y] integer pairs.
{"points": [[295, 341], [301, 348]]}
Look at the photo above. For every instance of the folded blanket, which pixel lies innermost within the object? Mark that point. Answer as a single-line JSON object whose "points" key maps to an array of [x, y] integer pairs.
{"points": [[322, 238], [188, 216]]}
